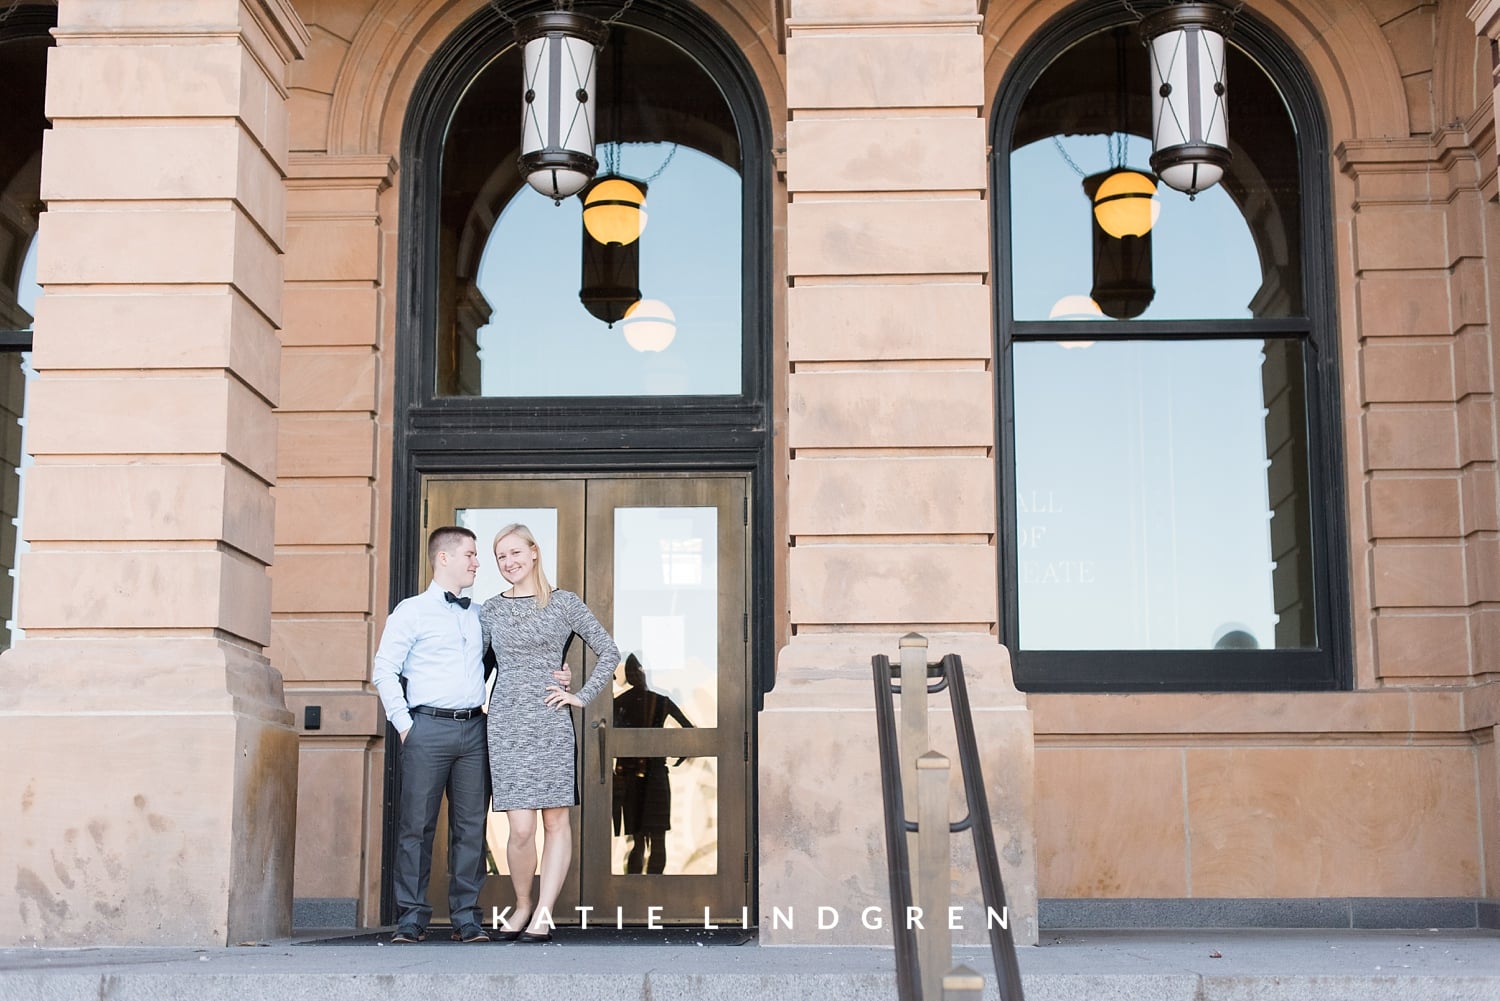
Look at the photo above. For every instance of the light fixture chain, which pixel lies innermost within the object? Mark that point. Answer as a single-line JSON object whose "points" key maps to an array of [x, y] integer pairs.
{"points": [[8, 11], [504, 14], [1058, 143], [663, 167], [626, 6], [1135, 12]]}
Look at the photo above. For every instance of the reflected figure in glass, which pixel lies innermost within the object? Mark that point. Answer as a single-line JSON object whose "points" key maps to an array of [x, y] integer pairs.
{"points": [[532, 743], [642, 786]]}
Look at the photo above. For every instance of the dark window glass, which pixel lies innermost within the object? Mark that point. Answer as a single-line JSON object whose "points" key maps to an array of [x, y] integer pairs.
{"points": [[1162, 495], [510, 262]]}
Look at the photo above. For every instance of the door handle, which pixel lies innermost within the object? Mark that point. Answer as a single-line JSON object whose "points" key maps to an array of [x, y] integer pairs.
{"points": [[600, 726]]}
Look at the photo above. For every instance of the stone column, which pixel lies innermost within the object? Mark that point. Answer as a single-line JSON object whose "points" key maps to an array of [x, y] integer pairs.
{"points": [[1427, 404], [323, 584], [1484, 714], [150, 787], [891, 480], [1423, 284]]}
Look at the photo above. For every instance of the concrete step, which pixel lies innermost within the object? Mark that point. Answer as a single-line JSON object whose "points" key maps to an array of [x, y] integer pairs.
{"points": [[1101, 966]]}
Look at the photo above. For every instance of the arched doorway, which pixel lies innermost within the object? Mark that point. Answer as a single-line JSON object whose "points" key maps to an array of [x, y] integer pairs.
{"points": [[643, 453]]}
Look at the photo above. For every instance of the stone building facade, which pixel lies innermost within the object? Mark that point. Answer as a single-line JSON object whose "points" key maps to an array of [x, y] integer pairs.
{"points": [[255, 373]]}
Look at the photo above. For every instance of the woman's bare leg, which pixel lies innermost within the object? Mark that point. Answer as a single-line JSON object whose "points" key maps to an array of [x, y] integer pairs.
{"points": [[557, 855], [520, 856]]}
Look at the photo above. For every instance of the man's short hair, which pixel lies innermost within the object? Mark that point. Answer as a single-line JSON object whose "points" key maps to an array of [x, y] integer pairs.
{"points": [[446, 539]]}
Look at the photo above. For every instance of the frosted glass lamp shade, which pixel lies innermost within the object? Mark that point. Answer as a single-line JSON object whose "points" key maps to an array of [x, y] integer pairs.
{"points": [[650, 325], [557, 100], [1189, 124]]}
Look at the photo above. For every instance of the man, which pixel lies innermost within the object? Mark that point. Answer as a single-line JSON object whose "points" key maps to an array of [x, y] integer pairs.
{"points": [[434, 641]]}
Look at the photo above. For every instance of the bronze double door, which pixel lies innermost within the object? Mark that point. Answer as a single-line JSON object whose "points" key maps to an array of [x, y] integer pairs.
{"points": [[660, 835]]}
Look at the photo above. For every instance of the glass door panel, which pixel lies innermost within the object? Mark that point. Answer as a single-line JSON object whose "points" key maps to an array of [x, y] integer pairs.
{"points": [[553, 510], [665, 776]]}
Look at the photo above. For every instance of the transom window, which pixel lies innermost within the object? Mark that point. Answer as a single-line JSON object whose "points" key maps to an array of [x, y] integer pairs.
{"points": [[529, 306]]}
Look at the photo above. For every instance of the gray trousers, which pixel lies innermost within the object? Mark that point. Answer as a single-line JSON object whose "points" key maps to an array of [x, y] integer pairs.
{"points": [[441, 755]]}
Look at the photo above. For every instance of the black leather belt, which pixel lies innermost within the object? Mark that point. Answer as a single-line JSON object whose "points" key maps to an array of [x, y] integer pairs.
{"points": [[448, 713]]}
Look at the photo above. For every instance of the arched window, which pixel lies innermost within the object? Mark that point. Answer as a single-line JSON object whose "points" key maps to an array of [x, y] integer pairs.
{"points": [[1173, 515], [518, 304], [507, 362]]}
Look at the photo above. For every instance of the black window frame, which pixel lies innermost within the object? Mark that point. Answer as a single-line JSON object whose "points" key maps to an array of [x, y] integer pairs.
{"points": [[452, 434], [1329, 665], [28, 21], [25, 21], [442, 435]]}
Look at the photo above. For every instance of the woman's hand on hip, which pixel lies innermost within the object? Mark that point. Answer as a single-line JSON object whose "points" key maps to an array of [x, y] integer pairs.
{"points": [[561, 697]]}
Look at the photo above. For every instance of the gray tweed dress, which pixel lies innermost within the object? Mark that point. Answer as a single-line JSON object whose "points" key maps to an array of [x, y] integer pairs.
{"points": [[531, 743]]}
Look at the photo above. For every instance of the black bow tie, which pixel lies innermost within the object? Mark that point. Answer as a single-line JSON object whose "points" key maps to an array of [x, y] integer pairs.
{"points": [[454, 599]]}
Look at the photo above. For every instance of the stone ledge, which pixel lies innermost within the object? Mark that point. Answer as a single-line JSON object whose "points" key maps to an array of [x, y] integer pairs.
{"points": [[1313, 714], [1058, 914]]}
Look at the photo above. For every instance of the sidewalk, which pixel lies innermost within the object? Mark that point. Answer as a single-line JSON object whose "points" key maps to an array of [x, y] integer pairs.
{"points": [[1208, 965]]}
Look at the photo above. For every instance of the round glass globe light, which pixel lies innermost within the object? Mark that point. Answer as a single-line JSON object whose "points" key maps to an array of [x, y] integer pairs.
{"points": [[1191, 176], [557, 183], [649, 325], [1075, 307], [1125, 204], [614, 211]]}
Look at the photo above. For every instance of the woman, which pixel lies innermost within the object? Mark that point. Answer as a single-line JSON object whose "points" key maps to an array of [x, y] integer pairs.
{"points": [[531, 721]]}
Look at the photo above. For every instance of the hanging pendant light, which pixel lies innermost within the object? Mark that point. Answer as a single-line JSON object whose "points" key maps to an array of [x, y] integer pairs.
{"points": [[557, 112], [1123, 282], [1189, 128], [611, 281]]}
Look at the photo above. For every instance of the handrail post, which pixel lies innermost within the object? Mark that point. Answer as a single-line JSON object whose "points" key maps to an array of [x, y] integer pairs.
{"points": [[963, 984], [934, 879], [915, 741]]}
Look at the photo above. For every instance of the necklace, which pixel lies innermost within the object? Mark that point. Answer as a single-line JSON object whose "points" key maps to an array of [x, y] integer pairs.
{"points": [[519, 607]]}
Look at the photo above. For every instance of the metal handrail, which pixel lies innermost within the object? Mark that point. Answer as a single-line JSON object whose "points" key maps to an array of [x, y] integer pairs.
{"points": [[897, 860], [986, 852], [898, 864]]}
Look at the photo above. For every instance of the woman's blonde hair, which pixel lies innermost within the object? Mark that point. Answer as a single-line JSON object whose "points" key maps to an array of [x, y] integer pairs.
{"points": [[543, 587]]}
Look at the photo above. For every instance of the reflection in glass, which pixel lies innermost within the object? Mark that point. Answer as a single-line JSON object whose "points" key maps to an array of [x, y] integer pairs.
{"points": [[690, 846], [1234, 251], [666, 601], [16, 374], [511, 263], [642, 793], [1162, 496]]}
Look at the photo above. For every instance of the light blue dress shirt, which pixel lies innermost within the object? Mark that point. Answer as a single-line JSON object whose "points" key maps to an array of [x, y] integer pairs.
{"points": [[438, 647]]}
